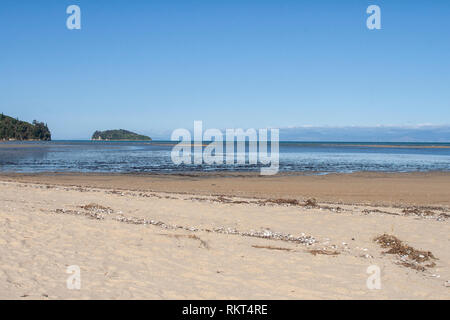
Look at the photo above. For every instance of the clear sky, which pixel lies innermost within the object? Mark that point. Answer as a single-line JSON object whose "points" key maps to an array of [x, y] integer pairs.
{"points": [[150, 66]]}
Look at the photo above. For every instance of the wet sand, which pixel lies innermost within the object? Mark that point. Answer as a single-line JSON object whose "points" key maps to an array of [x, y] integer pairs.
{"points": [[364, 188], [223, 237]]}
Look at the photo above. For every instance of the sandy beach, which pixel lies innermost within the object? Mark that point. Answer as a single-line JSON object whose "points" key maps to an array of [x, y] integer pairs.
{"points": [[220, 236]]}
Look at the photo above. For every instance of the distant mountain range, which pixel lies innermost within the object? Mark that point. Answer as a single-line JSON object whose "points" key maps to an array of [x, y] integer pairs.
{"points": [[14, 129], [423, 133]]}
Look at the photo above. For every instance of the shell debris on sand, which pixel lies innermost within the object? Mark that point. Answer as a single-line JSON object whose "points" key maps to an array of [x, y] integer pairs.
{"points": [[99, 212], [268, 234], [92, 210], [265, 234], [92, 215]]}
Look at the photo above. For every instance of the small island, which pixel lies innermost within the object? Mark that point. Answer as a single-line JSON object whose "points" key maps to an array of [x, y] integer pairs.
{"points": [[119, 135], [13, 129]]}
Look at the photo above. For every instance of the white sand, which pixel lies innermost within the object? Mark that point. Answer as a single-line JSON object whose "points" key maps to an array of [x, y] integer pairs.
{"points": [[120, 260]]}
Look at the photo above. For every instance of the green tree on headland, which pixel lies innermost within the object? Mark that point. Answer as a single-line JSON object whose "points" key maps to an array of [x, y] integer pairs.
{"points": [[14, 129], [120, 134]]}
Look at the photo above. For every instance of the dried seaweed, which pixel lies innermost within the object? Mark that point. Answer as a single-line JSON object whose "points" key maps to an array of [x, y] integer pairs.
{"points": [[324, 252], [409, 257]]}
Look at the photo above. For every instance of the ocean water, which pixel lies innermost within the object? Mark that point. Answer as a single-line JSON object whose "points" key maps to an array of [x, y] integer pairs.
{"points": [[135, 157]]}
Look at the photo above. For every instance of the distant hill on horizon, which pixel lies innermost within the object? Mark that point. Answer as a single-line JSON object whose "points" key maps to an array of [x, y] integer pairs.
{"points": [[117, 135], [14, 129]]}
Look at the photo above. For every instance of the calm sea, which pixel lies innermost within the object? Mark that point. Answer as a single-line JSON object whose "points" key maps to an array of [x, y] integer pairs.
{"points": [[135, 157]]}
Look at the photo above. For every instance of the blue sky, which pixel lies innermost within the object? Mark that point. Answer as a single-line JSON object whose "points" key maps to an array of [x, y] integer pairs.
{"points": [[151, 66]]}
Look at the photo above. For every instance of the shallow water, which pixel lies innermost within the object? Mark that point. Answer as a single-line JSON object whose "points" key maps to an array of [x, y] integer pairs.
{"points": [[319, 158]]}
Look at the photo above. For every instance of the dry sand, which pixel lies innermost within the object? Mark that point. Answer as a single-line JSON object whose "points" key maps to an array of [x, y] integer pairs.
{"points": [[218, 237]]}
